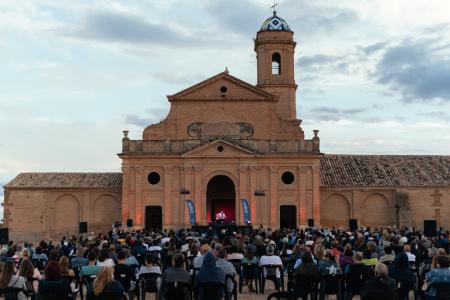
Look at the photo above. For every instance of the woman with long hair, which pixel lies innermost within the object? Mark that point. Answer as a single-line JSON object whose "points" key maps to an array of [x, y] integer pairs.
{"points": [[104, 284], [64, 265], [9, 279], [30, 274]]}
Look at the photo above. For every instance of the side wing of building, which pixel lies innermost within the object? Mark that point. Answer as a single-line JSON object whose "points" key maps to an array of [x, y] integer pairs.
{"points": [[378, 190], [46, 205]]}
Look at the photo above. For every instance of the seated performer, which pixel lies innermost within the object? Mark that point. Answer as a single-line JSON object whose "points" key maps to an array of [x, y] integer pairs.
{"points": [[220, 217]]}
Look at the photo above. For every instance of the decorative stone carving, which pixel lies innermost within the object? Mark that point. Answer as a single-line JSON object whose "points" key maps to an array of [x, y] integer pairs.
{"points": [[202, 130], [195, 130], [273, 169], [139, 169], [125, 169], [253, 168], [168, 169], [247, 130], [243, 168]]}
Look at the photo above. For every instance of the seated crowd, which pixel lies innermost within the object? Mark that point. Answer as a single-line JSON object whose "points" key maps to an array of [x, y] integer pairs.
{"points": [[374, 263]]}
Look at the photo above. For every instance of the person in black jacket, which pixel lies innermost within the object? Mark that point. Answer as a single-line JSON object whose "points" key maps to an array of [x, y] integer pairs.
{"points": [[402, 274], [125, 274], [379, 287], [355, 276]]}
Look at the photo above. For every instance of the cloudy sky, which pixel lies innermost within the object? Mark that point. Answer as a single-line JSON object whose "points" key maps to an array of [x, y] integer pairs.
{"points": [[373, 75]]}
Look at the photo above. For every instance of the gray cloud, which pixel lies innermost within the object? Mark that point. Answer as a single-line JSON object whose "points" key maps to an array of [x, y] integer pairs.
{"points": [[440, 115], [418, 69], [373, 48], [303, 17], [241, 17], [328, 113], [122, 27], [154, 115]]}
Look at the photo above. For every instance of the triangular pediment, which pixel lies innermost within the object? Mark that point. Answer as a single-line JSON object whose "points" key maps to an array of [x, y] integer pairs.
{"points": [[219, 148], [223, 87]]}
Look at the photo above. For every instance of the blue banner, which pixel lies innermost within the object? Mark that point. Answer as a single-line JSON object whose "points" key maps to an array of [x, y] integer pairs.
{"points": [[191, 208], [246, 211]]}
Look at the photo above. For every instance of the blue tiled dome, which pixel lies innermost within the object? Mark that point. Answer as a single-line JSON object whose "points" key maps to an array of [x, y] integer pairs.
{"points": [[275, 23]]}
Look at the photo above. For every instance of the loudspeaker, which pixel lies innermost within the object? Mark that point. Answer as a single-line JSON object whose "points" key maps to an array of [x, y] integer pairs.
{"points": [[129, 222], [430, 228], [353, 224], [310, 222], [4, 236], [83, 227]]}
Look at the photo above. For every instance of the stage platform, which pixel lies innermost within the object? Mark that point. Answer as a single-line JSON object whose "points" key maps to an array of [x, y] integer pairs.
{"points": [[218, 227]]}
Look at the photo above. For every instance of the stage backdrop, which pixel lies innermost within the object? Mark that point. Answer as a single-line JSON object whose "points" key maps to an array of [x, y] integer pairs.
{"points": [[227, 206]]}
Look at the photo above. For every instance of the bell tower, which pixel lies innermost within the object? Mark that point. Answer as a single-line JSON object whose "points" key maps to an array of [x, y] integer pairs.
{"points": [[275, 47]]}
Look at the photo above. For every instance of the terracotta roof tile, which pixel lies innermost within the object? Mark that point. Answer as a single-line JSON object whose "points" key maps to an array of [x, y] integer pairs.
{"points": [[384, 170], [66, 180]]}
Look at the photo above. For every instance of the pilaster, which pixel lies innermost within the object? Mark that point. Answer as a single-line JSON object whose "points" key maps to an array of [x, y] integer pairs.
{"points": [[199, 200], [167, 204], [302, 210], [187, 177], [243, 188], [316, 194], [125, 193], [253, 199], [274, 206], [139, 208]]}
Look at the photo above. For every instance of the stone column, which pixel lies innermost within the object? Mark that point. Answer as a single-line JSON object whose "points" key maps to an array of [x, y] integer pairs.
{"points": [[302, 213], [274, 207], [139, 206], [316, 194], [243, 189], [199, 198], [253, 198], [167, 202]]}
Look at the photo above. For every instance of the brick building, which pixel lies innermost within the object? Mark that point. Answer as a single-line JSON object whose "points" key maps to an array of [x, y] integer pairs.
{"points": [[212, 151]]}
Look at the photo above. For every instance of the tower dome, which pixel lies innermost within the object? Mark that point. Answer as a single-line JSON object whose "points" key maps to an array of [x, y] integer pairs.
{"points": [[275, 23]]}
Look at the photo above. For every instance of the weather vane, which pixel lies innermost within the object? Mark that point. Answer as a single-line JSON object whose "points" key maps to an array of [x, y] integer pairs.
{"points": [[275, 4]]}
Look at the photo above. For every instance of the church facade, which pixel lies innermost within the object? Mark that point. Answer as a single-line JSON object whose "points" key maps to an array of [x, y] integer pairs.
{"points": [[225, 142]]}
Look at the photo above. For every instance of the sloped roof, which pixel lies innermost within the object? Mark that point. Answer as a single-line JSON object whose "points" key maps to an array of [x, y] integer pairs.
{"points": [[223, 75], [65, 180], [385, 170], [336, 171]]}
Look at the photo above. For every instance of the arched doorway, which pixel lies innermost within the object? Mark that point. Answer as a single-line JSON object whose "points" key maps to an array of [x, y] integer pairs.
{"points": [[221, 196]]}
